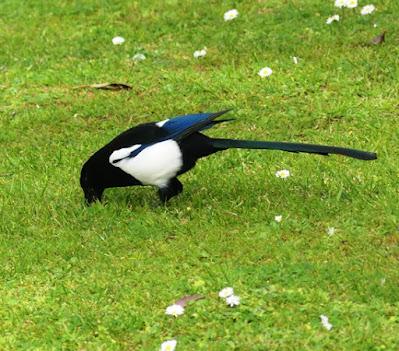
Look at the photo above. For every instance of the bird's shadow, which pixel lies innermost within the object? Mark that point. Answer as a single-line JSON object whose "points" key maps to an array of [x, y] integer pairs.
{"points": [[133, 197], [146, 198]]}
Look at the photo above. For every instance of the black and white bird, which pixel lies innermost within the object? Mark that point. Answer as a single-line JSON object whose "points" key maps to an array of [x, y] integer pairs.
{"points": [[157, 153]]}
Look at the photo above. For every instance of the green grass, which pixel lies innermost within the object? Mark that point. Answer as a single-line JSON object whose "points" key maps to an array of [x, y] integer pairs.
{"points": [[100, 278]]}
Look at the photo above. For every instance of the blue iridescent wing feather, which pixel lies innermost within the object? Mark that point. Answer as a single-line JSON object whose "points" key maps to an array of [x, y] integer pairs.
{"points": [[180, 123], [182, 126]]}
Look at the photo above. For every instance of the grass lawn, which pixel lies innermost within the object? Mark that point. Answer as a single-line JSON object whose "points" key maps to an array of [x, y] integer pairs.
{"points": [[100, 278]]}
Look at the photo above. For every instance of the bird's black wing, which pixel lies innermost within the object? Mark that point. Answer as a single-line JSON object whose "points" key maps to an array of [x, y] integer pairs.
{"points": [[176, 128], [182, 126], [144, 134]]}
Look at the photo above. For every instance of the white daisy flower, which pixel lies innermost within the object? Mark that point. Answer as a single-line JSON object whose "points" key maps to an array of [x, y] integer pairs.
{"points": [[265, 72], [118, 40], [169, 345], [226, 292], [324, 321], [295, 59], [366, 10], [351, 4], [332, 19], [233, 300], [278, 218], [200, 53], [330, 231], [283, 174], [138, 57], [340, 3], [174, 310], [230, 15]]}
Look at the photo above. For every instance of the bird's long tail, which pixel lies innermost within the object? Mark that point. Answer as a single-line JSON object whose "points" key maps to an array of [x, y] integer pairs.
{"points": [[292, 147]]}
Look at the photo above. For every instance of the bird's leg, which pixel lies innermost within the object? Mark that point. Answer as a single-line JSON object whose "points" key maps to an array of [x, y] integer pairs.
{"points": [[173, 188]]}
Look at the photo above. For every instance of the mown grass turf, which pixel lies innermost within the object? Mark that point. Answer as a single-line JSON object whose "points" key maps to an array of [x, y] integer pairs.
{"points": [[100, 278]]}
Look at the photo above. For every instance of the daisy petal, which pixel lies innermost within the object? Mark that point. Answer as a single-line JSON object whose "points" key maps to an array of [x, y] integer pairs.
{"points": [[283, 174], [174, 310], [366, 10], [118, 40], [138, 57], [169, 345], [200, 53], [265, 72], [325, 323], [233, 300], [278, 218], [226, 292], [230, 15]]}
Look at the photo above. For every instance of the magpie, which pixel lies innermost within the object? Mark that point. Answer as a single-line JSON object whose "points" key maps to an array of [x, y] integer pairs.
{"points": [[157, 153]]}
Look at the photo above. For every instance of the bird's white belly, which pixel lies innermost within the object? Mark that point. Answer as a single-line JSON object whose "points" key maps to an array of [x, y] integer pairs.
{"points": [[155, 165]]}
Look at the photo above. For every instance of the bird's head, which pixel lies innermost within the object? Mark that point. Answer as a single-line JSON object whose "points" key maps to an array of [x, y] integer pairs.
{"points": [[90, 186]]}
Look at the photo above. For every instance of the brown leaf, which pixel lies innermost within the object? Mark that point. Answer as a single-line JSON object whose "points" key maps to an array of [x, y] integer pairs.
{"points": [[108, 86], [184, 300], [379, 39]]}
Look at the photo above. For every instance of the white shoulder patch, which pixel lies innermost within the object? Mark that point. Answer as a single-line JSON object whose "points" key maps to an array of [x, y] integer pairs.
{"points": [[155, 165], [160, 124], [121, 153]]}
